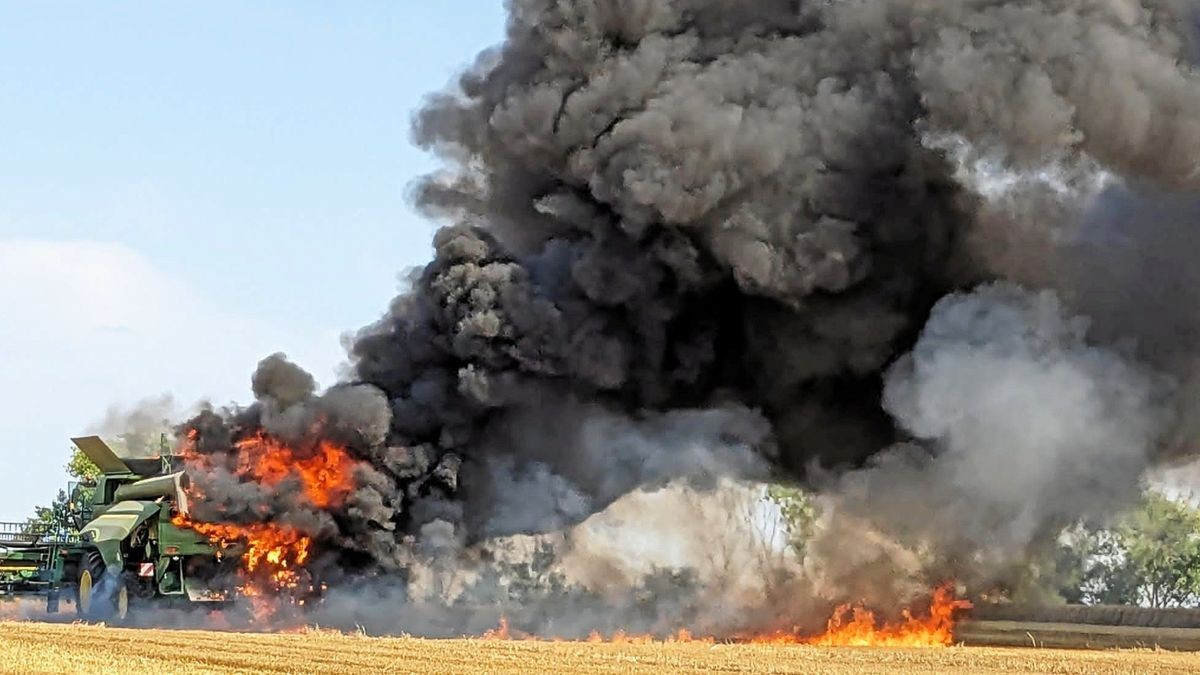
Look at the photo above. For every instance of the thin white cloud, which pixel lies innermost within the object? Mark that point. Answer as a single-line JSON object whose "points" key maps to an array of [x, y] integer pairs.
{"points": [[85, 325]]}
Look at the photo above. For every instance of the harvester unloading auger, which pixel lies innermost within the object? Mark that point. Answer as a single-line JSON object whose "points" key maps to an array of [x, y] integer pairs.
{"points": [[115, 542]]}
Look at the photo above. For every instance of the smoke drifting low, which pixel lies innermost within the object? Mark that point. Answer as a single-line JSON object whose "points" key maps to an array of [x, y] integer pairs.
{"points": [[1018, 428], [866, 245]]}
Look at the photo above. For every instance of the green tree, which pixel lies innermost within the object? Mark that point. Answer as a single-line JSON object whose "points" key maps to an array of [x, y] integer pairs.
{"points": [[1161, 546], [798, 513], [1150, 557], [81, 467], [49, 515], [1107, 576], [1052, 572]]}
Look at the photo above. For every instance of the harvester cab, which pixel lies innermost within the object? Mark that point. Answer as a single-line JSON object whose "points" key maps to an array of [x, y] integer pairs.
{"points": [[79, 503]]}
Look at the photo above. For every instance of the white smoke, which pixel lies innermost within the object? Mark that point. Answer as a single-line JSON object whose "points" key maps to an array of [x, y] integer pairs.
{"points": [[1019, 427]]}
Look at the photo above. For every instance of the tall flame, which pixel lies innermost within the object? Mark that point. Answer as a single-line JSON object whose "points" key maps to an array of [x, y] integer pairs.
{"points": [[856, 626]]}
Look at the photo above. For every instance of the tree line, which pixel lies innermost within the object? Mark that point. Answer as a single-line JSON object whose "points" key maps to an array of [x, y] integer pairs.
{"points": [[1148, 557]]}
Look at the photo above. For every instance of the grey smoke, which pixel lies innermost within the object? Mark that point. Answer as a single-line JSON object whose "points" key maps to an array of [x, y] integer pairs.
{"points": [[281, 381], [1019, 428], [1065, 77], [528, 483], [140, 429]]}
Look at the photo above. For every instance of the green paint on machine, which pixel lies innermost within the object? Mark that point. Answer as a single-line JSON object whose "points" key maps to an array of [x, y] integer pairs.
{"points": [[115, 547]]}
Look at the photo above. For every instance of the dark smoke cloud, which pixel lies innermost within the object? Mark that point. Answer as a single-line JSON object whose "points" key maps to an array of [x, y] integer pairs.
{"points": [[1067, 77], [695, 239]]}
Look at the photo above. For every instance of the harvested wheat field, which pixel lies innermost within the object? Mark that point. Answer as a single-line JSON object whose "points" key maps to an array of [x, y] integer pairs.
{"points": [[50, 648]]}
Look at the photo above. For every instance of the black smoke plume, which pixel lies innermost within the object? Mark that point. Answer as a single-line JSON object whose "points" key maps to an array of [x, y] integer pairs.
{"points": [[694, 239]]}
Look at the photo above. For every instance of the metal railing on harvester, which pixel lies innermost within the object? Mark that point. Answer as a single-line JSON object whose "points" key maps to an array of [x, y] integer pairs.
{"points": [[31, 560], [34, 534]]}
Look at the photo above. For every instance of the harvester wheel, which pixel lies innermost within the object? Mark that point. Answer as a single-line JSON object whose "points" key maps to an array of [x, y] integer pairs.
{"points": [[99, 595]]}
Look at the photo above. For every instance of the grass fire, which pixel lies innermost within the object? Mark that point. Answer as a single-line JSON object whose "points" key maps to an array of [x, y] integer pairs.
{"points": [[850, 626]]}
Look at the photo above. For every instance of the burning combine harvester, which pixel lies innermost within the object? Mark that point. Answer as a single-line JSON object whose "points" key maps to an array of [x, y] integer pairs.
{"points": [[130, 536], [117, 540]]}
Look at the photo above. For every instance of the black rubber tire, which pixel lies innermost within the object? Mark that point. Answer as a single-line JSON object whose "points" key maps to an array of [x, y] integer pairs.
{"points": [[105, 590]]}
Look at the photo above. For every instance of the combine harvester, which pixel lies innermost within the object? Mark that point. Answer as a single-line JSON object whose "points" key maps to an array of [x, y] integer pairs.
{"points": [[115, 543]]}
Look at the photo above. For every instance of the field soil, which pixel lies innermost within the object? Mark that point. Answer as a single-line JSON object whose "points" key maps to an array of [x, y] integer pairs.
{"points": [[1075, 635], [1095, 615], [27, 647]]}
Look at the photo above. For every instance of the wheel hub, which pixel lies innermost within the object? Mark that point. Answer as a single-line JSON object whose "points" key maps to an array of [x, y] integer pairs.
{"points": [[122, 602], [85, 592]]}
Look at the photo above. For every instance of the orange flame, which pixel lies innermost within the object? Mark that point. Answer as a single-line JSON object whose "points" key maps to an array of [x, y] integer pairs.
{"points": [[273, 553], [326, 475], [857, 627], [277, 549], [849, 626], [500, 632]]}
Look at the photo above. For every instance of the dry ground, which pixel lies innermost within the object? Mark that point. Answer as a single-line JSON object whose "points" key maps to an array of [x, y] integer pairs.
{"points": [[47, 648], [1075, 635]]}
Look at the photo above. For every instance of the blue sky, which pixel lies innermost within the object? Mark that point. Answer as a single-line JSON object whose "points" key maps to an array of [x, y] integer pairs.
{"points": [[186, 187]]}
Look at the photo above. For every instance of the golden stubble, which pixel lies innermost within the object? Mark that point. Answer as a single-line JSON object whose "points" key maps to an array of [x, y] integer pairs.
{"points": [[27, 647]]}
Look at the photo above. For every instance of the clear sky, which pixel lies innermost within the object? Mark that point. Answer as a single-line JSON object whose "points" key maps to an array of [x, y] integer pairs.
{"points": [[186, 187]]}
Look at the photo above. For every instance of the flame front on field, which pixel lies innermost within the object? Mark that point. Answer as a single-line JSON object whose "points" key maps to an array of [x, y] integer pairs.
{"points": [[856, 626], [850, 626]]}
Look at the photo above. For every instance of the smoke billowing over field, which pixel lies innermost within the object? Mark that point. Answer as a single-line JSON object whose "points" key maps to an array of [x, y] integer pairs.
{"points": [[931, 260]]}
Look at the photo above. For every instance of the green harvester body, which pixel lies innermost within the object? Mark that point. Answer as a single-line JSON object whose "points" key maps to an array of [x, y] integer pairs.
{"points": [[117, 542]]}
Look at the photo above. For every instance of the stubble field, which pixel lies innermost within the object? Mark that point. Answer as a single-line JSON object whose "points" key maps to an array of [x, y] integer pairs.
{"points": [[49, 648]]}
